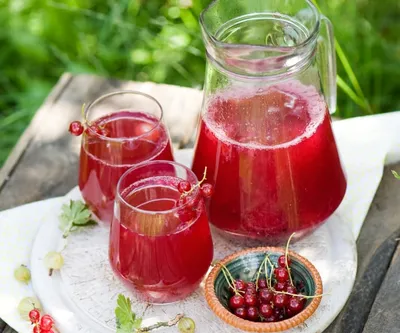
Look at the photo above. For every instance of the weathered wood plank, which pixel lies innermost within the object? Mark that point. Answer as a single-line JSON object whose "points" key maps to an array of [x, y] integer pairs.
{"points": [[384, 315], [46, 163], [375, 248]]}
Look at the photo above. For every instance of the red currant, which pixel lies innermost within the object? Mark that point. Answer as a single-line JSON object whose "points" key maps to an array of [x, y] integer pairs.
{"points": [[250, 291], [250, 300], [279, 314], [251, 286], [236, 302], [184, 186], [46, 323], [270, 319], [265, 295], [34, 316], [240, 285], [186, 215], [36, 329], [282, 261], [266, 310], [252, 313], [291, 289], [289, 313], [76, 128], [280, 300], [281, 274], [280, 286], [262, 283], [295, 305], [241, 313], [207, 190]]}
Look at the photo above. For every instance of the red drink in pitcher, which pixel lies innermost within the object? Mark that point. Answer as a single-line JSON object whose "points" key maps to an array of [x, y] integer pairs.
{"points": [[157, 251], [111, 145], [273, 160]]}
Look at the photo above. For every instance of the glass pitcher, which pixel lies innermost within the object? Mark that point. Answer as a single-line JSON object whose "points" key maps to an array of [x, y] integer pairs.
{"points": [[265, 131]]}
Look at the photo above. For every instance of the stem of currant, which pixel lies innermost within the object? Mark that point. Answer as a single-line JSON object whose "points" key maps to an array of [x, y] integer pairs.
{"points": [[184, 194], [169, 323], [286, 258]]}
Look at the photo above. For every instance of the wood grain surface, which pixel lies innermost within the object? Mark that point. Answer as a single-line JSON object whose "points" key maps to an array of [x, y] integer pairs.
{"points": [[44, 164]]}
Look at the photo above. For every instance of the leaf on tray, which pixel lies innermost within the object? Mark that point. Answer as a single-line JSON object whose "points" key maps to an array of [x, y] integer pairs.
{"points": [[126, 319], [73, 215]]}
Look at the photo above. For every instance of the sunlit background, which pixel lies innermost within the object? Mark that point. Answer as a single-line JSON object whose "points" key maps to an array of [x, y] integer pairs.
{"points": [[159, 40]]}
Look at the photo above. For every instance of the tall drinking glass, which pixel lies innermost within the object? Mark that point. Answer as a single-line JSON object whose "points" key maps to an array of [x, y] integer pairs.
{"points": [[160, 243], [124, 128], [265, 129]]}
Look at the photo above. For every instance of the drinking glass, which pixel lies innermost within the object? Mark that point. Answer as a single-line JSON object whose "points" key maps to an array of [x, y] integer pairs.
{"points": [[160, 241], [265, 131], [123, 129]]}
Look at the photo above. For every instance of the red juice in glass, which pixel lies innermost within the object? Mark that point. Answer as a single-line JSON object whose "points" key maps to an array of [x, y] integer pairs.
{"points": [[114, 142], [272, 159], [158, 254]]}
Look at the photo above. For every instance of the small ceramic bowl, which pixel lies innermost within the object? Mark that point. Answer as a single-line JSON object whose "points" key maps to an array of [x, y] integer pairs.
{"points": [[244, 265]]}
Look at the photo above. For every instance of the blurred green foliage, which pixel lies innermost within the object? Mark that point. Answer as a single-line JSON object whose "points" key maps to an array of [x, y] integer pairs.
{"points": [[160, 41]]}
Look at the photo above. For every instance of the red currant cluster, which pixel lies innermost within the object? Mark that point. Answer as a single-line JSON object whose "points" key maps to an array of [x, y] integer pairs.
{"points": [[44, 324], [76, 128], [189, 201], [272, 299]]}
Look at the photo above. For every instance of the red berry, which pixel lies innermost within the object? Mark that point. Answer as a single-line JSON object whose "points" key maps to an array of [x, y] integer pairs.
{"points": [[76, 128], [34, 316], [241, 313], [184, 186], [289, 313], [252, 313], [251, 286], [250, 291], [282, 261], [291, 289], [262, 283], [36, 329], [280, 300], [250, 300], [295, 305], [236, 301], [240, 285], [270, 319], [279, 314], [266, 310], [186, 215], [207, 190], [281, 274], [280, 286], [265, 295], [46, 323]]}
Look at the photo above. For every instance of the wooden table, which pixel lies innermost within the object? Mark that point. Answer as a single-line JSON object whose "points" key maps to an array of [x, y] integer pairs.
{"points": [[44, 164]]}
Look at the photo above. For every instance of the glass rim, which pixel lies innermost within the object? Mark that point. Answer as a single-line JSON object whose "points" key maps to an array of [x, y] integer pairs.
{"points": [[93, 103], [313, 33], [154, 162]]}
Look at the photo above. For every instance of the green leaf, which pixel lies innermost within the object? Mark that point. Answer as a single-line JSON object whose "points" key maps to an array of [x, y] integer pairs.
{"points": [[126, 319], [76, 214], [395, 174]]}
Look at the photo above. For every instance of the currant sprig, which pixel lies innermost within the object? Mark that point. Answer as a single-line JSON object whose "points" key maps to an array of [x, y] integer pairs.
{"points": [[77, 127], [129, 322]]}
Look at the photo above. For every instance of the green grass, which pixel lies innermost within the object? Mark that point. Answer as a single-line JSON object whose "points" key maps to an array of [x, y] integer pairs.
{"points": [[160, 41]]}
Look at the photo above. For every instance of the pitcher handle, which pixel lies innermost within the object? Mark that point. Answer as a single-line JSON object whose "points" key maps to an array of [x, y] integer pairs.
{"points": [[327, 62]]}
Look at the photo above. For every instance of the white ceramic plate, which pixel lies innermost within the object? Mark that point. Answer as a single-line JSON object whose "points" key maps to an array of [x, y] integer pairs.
{"points": [[82, 297]]}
